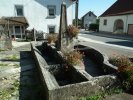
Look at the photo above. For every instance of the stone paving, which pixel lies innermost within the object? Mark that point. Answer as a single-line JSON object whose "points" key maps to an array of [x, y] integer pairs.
{"points": [[18, 75], [18, 44]]}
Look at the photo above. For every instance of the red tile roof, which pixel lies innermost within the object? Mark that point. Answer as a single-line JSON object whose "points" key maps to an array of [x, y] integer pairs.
{"points": [[120, 7]]}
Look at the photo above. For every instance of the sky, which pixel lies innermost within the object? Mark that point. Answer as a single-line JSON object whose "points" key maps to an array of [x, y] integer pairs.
{"points": [[97, 6]]}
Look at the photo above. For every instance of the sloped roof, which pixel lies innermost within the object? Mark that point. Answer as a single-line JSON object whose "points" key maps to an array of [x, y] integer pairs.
{"points": [[91, 13], [14, 21], [73, 0], [120, 7]]}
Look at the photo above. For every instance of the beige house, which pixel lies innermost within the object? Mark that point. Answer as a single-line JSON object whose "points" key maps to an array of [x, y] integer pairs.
{"points": [[118, 18]]}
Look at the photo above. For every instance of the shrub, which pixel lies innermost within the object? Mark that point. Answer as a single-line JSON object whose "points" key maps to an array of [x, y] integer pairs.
{"points": [[52, 38], [72, 31], [29, 35], [125, 69], [74, 57], [94, 27]]}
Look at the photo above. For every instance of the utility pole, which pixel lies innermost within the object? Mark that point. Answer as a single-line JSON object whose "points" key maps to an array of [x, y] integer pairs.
{"points": [[76, 13]]}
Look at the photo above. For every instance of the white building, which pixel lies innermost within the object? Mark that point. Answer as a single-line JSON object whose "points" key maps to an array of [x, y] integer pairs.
{"points": [[88, 19], [41, 15], [118, 18]]}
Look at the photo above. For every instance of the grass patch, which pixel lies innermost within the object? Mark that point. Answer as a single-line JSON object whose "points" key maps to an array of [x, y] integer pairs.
{"points": [[16, 84], [24, 40], [2, 64], [6, 94], [28, 40], [102, 95], [1, 50], [16, 65], [12, 57]]}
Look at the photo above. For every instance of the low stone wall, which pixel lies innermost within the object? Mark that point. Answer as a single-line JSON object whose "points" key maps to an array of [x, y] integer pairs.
{"points": [[53, 91]]}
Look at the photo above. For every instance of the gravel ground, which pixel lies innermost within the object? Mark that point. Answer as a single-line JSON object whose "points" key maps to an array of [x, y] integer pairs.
{"points": [[18, 75]]}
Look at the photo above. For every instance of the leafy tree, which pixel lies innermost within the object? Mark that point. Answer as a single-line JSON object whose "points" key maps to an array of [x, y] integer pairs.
{"points": [[97, 21], [79, 22]]}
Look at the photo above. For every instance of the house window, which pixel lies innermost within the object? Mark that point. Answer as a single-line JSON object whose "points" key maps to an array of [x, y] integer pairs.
{"points": [[89, 14], [51, 10], [17, 30], [19, 10], [105, 22], [51, 29], [86, 25]]}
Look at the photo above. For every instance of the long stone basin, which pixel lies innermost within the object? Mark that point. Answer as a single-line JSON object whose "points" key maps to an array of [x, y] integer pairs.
{"points": [[66, 85]]}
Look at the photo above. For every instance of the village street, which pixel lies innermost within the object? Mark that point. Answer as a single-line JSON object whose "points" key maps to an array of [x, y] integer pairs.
{"points": [[107, 44], [45, 55]]}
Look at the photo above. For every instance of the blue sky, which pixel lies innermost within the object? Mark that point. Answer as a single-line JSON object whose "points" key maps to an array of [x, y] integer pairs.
{"points": [[97, 6]]}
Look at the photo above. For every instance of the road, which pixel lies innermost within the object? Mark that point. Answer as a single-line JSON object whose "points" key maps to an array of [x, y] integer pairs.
{"points": [[106, 45]]}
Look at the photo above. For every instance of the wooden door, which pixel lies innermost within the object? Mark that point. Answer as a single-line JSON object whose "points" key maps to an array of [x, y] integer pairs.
{"points": [[130, 29]]}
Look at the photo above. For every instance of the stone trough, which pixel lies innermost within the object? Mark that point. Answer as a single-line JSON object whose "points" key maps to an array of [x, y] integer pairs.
{"points": [[101, 61], [59, 84]]}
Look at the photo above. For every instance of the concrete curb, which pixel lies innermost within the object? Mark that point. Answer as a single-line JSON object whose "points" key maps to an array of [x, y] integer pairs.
{"points": [[110, 35]]}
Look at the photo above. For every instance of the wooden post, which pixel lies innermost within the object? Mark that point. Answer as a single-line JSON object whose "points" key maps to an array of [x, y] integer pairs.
{"points": [[14, 33], [24, 32], [21, 32]]}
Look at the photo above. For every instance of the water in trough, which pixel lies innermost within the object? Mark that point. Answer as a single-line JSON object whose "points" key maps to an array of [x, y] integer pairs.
{"points": [[64, 77]]}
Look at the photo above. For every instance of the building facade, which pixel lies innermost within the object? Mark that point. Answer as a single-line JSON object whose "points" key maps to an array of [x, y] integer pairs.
{"points": [[42, 15], [118, 19], [117, 24], [88, 19]]}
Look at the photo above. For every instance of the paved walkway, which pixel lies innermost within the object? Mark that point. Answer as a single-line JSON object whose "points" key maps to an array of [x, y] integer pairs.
{"points": [[18, 44], [18, 75]]}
